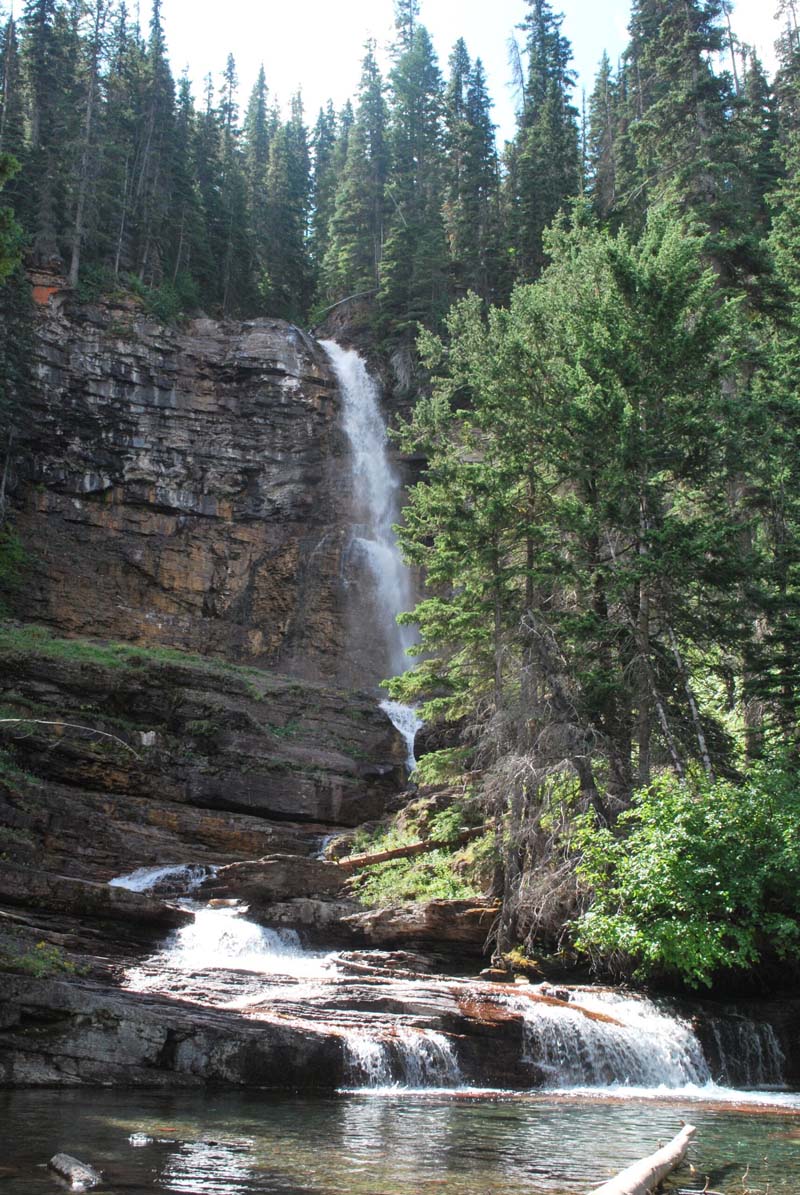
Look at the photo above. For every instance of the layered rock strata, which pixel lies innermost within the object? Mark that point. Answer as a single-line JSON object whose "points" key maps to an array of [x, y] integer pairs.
{"points": [[184, 487]]}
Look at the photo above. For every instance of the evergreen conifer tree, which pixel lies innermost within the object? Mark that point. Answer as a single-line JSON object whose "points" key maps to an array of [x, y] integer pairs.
{"points": [[544, 160]]}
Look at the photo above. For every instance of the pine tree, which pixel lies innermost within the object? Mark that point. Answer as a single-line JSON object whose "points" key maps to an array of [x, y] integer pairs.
{"points": [[95, 45], [124, 89], [544, 161], [46, 47], [583, 437], [259, 129], [602, 141], [286, 284], [237, 274], [772, 672], [414, 278], [152, 195], [12, 129], [323, 142], [353, 257], [758, 120], [472, 182]]}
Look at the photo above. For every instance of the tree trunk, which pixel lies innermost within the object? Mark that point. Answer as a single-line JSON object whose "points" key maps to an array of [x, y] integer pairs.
{"points": [[643, 1177], [357, 862]]}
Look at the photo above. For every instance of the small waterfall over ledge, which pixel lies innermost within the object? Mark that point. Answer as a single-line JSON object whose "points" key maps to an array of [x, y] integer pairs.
{"points": [[374, 554]]}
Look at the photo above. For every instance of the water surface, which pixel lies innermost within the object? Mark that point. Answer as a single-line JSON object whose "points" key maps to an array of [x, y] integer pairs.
{"points": [[392, 1143]]}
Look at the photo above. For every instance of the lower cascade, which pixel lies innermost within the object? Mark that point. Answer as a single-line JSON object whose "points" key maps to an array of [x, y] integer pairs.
{"points": [[408, 1058], [405, 719], [594, 1039], [647, 1048]]}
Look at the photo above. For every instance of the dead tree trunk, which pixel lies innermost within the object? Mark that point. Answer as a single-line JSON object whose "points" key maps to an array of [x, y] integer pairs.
{"points": [[643, 1177]]}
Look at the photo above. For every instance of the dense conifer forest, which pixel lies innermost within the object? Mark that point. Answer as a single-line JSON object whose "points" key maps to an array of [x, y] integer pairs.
{"points": [[607, 312]]}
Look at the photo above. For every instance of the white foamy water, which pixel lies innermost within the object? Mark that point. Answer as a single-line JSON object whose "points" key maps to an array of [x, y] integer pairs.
{"points": [[376, 499], [651, 1054], [182, 877], [223, 939], [647, 1049], [405, 719], [412, 1059]]}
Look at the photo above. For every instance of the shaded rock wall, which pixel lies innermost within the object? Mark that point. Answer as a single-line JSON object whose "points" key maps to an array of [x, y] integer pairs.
{"points": [[209, 763], [185, 487]]}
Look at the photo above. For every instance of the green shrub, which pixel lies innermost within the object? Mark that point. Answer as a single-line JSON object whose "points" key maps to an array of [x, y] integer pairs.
{"points": [[424, 877], [41, 960], [697, 878]]}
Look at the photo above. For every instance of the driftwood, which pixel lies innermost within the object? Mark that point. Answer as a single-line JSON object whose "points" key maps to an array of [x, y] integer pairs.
{"points": [[356, 862], [643, 1177], [79, 1175]]}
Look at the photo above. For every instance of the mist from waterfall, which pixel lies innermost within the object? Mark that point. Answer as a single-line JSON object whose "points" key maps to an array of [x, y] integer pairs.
{"points": [[376, 501]]}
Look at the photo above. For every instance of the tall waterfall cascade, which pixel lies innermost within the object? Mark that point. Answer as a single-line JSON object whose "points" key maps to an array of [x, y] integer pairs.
{"points": [[376, 499]]}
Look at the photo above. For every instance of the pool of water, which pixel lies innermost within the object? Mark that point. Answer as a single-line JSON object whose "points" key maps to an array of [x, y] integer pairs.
{"points": [[388, 1143]]}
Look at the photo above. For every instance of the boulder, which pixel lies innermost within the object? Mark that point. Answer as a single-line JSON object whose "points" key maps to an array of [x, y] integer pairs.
{"points": [[433, 923], [278, 878]]}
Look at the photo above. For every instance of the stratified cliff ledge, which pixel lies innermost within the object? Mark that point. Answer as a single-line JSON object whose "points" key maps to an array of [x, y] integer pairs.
{"points": [[183, 487]]}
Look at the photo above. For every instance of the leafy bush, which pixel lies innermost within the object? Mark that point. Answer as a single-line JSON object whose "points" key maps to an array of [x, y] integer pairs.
{"points": [[698, 877], [424, 877], [40, 961]]}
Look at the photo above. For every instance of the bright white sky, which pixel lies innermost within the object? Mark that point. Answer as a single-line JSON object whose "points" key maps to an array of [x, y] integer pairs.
{"points": [[317, 45]]}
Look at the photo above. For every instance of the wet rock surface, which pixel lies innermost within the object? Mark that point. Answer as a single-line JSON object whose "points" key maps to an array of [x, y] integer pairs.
{"points": [[33, 888], [277, 878]]}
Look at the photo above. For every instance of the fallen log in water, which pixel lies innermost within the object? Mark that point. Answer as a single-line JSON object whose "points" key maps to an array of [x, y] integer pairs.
{"points": [[79, 1175], [644, 1176]]}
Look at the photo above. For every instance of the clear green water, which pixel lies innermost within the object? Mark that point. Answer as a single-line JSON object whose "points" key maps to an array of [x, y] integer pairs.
{"points": [[395, 1143]]}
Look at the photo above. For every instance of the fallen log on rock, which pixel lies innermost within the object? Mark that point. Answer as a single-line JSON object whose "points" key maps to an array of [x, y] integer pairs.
{"points": [[80, 1176], [644, 1176], [357, 862]]}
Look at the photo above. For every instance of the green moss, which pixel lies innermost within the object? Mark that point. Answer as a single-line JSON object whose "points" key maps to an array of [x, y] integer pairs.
{"points": [[40, 641]]}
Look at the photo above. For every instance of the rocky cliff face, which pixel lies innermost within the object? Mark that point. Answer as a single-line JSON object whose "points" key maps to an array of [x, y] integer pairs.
{"points": [[185, 487]]}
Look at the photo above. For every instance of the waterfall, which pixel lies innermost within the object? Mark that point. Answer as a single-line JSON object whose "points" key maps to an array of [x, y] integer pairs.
{"points": [[409, 1058], [221, 939], [405, 719], [647, 1048], [376, 509], [748, 1051], [376, 500], [173, 880]]}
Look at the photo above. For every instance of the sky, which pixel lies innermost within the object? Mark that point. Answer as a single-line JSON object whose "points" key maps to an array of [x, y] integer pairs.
{"points": [[317, 45]]}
